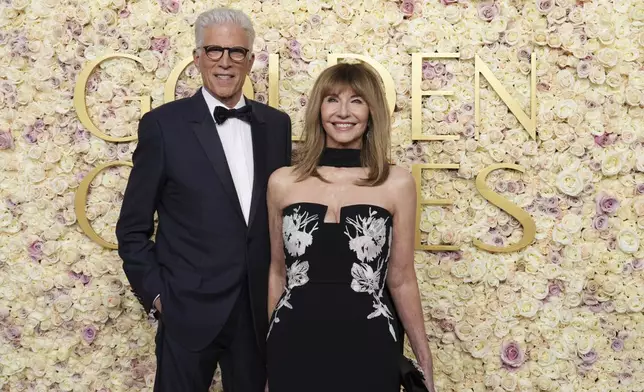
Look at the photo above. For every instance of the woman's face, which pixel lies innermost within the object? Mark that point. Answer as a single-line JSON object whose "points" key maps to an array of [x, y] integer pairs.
{"points": [[344, 116]]}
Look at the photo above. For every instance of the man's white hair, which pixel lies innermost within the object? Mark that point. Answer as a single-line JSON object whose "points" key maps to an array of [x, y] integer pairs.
{"points": [[218, 16]]}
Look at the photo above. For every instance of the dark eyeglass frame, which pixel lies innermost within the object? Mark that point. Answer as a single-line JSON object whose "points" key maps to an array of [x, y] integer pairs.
{"points": [[216, 52]]}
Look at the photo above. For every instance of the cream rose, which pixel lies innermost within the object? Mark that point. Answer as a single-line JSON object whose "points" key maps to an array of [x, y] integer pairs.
{"points": [[570, 183], [608, 57], [628, 241], [611, 164], [566, 108]]}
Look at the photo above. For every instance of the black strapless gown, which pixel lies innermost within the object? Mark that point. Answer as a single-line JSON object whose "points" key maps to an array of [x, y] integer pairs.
{"points": [[335, 328]]}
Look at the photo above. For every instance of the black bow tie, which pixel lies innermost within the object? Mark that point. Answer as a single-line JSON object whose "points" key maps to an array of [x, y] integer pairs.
{"points": [[222, 114]]}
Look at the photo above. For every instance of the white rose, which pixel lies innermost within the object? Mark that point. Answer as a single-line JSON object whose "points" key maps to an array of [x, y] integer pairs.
{"points": [[460, 269], [452, 14], [505, 294], [614, 79], [628, 241], [611, 164], [538, 289], [565, 78], [635, 304], [478, 269], [438, 103], [501, 329], [570, 183], [561, 236], [527, 307], [572, 300], [464, 331], [479, 348], [608, 57], [572, 223], [584, 344], [565, 108], [550, 316], [597, 75], [633, 96], [465, 293], [509, 382]]}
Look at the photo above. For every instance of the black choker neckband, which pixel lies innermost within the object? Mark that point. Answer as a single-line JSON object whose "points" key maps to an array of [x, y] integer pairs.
{"points": [[340, 157]]}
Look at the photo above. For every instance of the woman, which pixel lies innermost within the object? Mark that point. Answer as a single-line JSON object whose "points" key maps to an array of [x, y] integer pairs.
{"points": [[342, 227]]}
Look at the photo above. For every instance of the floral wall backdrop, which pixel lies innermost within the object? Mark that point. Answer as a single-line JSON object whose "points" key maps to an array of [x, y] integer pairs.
{"points": [[563, 314]]}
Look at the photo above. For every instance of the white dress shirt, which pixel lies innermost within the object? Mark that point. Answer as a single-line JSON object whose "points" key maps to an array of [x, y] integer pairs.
{"points": [[237, 141]]}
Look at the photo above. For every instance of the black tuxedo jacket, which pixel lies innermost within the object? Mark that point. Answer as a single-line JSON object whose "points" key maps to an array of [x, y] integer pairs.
{"points": [[203, 250]]}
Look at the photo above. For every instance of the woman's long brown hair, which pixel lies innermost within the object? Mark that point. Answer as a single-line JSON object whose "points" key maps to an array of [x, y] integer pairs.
{"points": [[375, 141]]}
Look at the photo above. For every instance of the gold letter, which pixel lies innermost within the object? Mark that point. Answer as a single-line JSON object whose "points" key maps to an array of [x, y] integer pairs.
{"points": [[80, 103], [416, 171], [173, 79], [273, 80], [529, 123], [529, 227], [417, 95], [390, 89], [80, 199]]}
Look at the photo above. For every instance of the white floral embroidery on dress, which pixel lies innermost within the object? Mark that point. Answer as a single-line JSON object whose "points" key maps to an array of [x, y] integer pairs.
{"points": [[367, 244], [370, 236], [294, 231], [296, 240]]}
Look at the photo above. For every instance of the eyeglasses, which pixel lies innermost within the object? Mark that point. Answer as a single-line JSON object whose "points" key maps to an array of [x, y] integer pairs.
{"points": [[215, 52]]}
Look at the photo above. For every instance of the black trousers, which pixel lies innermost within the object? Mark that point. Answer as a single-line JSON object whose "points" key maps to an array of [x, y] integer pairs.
{"points": [[235, 350]]}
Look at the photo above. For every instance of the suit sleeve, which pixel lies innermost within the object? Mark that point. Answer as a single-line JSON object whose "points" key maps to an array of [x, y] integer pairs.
{"points": [[135, 225], [289, 141]]}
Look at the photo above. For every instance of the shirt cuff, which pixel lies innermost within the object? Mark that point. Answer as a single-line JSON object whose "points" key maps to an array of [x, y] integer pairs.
{"points": [[153, 309]]}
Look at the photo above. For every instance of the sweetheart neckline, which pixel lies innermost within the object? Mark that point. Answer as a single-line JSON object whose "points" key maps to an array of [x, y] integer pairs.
{"points": [[326, 209]]}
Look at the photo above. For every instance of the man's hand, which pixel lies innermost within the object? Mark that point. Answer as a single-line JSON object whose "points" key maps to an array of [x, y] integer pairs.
{"points": [[157, 305]]}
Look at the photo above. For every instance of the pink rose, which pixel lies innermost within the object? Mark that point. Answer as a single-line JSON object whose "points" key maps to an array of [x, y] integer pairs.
{"points": [[545, 6], [6, 140], [606, 204], [261, 97], [12, 333], [262, 57], [315, 20], [583, 69], [171, 6], [160, 44], [124, 13], [35, 250], [617, 345], [407, 8], [446, 325], [488, 11], [639, 189], [590, 357], [555, 288], [451, 117], [429, 73], [605, 139], [512, 355], [89, 334]]}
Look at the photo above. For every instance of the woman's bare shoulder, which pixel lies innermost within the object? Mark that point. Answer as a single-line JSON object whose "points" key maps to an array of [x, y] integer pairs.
{"points": [[282, 178], [400, 178]]}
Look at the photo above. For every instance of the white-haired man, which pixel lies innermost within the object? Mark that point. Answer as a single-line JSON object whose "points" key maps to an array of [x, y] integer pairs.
{"points": [[202, 164]]}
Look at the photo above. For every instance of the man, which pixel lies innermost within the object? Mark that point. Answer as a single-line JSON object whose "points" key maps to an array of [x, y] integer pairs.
{"points": [[202, 164]]}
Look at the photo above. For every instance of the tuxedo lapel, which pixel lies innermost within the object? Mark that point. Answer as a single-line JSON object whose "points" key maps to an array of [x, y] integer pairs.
{"points": [[205, 129], [258, 132]]}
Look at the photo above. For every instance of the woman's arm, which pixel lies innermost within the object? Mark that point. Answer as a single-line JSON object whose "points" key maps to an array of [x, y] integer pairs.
{"points": [[401, 277], [277, 270]]}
